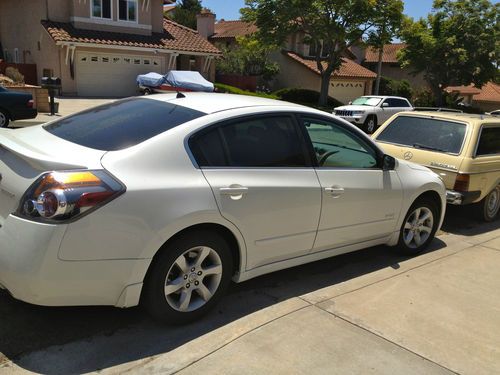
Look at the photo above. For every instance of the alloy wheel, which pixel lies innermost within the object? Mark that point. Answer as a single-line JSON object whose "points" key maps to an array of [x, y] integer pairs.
{"points": [[493, 203], [371, 126], [418, 227], [193, 279]]}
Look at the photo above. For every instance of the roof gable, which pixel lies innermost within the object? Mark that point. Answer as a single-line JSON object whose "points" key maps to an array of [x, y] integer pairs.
{"points": [[175, 37], [389, 54], [349, 68]]}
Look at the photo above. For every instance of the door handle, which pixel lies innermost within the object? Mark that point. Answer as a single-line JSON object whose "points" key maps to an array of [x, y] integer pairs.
{"points": [[335, 191], [233, 190]]}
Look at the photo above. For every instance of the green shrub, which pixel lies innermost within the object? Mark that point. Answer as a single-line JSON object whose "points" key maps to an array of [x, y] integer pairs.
{"points": [[305, 97], [220, 87], [392, 87]]}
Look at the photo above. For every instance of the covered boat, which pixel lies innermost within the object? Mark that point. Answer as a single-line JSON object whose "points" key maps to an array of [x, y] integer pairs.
{"points": [[175, 80]]}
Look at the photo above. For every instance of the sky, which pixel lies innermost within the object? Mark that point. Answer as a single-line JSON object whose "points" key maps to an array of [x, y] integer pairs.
{"points": [[230, 9]]}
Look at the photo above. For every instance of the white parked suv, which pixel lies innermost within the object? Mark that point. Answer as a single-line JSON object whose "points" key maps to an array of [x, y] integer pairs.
{"points": [[165, 199], [369, 112]]}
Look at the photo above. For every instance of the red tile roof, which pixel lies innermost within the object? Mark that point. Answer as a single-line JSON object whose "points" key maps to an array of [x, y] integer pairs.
{"points": [[389, 55], [233, 29], [349, 68], [464, 90], [175, 37], [489, 93]]}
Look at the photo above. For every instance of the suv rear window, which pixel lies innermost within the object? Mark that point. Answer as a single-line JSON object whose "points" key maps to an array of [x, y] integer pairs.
{"points": [[425, 133], [121, 124]]}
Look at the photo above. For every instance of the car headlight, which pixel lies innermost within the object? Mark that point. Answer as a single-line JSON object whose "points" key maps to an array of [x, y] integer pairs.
{"points": [[358, 113]]}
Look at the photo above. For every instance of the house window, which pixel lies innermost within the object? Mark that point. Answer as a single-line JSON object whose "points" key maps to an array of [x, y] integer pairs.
{"points": [[127, 10], [101, 8]]}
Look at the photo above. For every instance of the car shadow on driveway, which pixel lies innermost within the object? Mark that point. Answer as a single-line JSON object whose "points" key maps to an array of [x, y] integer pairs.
{"points": [[463, 220], [82, 339]]}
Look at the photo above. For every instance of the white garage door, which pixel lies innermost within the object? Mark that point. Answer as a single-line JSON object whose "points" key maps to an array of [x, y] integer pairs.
{"points": [[346, 91], [111, 74]]}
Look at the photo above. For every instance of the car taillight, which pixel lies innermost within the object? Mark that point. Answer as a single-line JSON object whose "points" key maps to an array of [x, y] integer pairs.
{"points": [[462, 182], [61, 196], [29, 103]]}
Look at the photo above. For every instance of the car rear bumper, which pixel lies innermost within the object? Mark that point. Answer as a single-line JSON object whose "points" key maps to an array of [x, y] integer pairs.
{"points": [[24, 114], [461, 198], [31, 271]]}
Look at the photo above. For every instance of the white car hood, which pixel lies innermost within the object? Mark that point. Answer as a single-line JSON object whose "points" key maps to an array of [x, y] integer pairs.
{"points": [[354, 108]]}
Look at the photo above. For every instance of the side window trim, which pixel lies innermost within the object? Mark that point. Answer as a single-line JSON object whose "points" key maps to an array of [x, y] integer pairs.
{"points": [[302, 116], [309, 163]]}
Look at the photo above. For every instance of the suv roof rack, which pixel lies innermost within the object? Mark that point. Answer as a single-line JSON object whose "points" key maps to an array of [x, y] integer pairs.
{"points": [[436, 109]]}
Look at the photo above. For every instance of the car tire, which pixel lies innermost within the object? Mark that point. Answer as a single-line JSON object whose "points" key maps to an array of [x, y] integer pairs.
{"points": [[188, 277], [4, 119], [419, 227], [488, 208], [370, 124]]}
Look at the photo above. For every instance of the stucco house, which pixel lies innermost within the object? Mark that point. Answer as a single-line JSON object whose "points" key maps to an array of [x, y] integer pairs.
{"points": [[298, 67], [391, 68], [98, 47]]}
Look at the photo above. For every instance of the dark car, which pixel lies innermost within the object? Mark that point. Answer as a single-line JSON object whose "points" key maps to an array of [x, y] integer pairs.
{"points": [[15, 106]]}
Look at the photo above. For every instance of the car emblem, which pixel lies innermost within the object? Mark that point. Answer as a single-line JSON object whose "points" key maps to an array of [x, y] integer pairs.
{"points": [[408, 155]]}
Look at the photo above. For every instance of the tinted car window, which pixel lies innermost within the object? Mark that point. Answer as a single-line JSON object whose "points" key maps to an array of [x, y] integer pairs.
{"points": [[208, 150], [489, 143], [257, 142], [336, 147], [121, 124], [401, 103], [425, 133]]}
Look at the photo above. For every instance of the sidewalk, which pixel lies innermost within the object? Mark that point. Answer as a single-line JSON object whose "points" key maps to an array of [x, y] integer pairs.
{"points": [[67, 106], [435, 314], [366, 312]]}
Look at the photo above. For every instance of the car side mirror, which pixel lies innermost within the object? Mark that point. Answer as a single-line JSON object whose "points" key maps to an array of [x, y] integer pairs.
{"points": [[384, 105], [388, 163], [350, 103]]}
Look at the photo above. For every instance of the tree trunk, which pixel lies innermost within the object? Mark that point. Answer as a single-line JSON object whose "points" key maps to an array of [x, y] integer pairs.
{"points": [[438, 94], [325, 85], [379, 70]]}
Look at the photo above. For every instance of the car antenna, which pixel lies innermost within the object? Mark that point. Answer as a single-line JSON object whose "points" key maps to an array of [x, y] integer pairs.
{"points": [[180, 95]]}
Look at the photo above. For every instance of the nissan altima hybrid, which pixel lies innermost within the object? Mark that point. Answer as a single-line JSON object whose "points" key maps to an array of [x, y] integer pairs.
{"points": [[163, 200]]}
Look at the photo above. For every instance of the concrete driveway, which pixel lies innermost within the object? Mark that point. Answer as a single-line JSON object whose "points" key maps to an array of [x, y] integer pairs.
{"points": [[368, 312], [67, 106]]}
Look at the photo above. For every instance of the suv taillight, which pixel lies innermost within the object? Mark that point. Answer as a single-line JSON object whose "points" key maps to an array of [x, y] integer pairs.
{"points": [[462, 182], [29, 103], [61, 196]]}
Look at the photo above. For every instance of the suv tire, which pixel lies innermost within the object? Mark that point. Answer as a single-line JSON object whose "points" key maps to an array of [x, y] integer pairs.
{"points": [[4, 119], [488, 208], [370, 124]]}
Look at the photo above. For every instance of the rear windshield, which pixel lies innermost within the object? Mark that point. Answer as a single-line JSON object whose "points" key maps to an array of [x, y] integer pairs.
{"points": [[425, 133], [121, 124]]}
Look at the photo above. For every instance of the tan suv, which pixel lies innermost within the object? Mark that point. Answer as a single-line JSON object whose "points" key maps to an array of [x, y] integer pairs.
{"points": [[463, 149]]}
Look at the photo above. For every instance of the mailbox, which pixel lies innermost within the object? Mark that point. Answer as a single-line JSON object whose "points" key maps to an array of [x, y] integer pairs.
{"points": [[53, 84]]}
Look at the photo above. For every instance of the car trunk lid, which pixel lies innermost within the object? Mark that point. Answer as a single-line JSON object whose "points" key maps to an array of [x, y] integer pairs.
{"points": [[27, 153]]}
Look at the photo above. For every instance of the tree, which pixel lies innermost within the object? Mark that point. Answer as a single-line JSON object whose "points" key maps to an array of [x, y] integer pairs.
{"points": [[330, 27], [250, 57], [387, 21], [185, 12], [458, 44]]}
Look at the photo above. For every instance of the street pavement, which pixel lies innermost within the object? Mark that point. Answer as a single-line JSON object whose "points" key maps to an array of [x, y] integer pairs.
{"points": [[372, 311]]}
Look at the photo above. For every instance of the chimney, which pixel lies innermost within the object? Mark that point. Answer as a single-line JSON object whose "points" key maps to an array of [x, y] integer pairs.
{"points": [[205, 23]]}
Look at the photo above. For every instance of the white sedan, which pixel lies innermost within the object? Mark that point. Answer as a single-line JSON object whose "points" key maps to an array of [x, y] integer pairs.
{"points": [[165, 199]]}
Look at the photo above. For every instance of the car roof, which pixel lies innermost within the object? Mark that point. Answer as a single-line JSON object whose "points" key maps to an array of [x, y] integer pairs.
{"points": [[216, 102], [383, 97], [467, 117]]}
